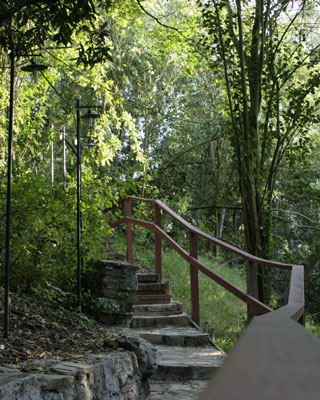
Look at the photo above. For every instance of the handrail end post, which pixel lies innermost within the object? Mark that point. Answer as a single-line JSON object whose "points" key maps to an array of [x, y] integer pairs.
{"points": [[128, 212], [194, 279], [158, 243]]}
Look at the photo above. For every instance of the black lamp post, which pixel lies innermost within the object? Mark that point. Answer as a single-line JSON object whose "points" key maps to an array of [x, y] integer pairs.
{"points": [[35, 68], [64, 166], [90, 117]]}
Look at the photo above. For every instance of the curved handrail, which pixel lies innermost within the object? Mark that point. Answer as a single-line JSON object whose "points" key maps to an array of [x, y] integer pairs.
{"points": [[221, 243], [259, 306], [227, 246], [275, 358], [295, 307]]}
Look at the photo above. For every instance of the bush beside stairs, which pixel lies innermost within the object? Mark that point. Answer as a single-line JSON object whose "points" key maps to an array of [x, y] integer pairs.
{"points": [[186, 356]]}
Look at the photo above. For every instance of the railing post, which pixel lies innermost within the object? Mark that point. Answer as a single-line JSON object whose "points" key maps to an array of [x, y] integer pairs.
{"points": [[194, 281], [108, 242], [252, 287], [128, 212], [157, 243]]}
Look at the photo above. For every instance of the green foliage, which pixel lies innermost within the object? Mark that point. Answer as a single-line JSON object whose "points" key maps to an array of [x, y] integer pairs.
{"points": [[43, 243], [55, 298], [60, 305], [175, 130], [94, 305], [32, 24], [312, 295], [312, 326], [42, 233], [271, 76], [223, 311]]}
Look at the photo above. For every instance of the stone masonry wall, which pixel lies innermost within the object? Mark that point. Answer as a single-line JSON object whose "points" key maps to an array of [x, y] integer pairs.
{"points": [[117, 375], [117, 282]]}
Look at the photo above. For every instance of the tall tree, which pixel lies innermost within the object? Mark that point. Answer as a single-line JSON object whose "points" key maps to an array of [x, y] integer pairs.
{"points": [[263, 51]]}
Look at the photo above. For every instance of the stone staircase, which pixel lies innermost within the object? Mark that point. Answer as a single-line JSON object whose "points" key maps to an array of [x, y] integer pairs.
{"points": [[151, 290], [186, 356]]}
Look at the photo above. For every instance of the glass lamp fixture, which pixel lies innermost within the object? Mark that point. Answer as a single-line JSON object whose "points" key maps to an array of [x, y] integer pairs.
{"points": [[34, 67], [90, 116]]}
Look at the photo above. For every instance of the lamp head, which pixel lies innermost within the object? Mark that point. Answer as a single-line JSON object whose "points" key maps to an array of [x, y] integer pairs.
{"points": [[34, 67], [90, 116]]}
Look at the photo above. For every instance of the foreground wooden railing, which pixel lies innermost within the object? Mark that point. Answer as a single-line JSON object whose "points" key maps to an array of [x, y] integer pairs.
{"points": [[276, 358]]}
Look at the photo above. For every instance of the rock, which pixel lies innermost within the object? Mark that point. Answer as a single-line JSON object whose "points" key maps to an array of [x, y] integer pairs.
{"points": [[7, 378], [118, 375], [147, 358], [115, 255], [115, 281], [72, 368], [145, 353], [55, 382], [10, 370], [114, 318], [110, 344], [18, 386]]}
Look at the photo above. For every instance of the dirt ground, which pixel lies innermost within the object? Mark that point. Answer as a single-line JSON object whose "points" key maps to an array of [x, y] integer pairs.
{"points": [[38, 333]]}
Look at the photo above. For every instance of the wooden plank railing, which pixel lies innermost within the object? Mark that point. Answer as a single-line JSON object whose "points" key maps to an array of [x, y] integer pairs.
{"points": [[276, 358], [192, 256]]}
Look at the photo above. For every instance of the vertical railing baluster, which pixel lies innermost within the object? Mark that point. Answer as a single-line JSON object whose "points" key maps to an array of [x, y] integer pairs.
{"points": [[157, 242], [128, 212], [108, 242], [194, 280]]}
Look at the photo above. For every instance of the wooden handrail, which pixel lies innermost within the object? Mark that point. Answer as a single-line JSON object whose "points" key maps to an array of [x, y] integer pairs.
{"points": [[227, 246], [231, 248], [275, 358], [259, 306], [195, 265]]}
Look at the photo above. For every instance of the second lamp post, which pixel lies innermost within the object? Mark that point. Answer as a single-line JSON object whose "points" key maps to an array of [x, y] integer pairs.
{"points": [[34, 68]]}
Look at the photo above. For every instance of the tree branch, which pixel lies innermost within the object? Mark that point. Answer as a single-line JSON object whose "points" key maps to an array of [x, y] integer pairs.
{"points": [[183, 152], [286, 31], [159, 22], [214, 206], [230, 26]]}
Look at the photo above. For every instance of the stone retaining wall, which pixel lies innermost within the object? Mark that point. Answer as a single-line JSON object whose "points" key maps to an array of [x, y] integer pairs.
{"points": [[117, 375], [117, 282]]}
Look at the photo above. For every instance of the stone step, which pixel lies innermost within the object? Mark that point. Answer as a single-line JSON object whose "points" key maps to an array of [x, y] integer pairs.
{"points": [[152, 299], [174, 336], [153, 288], [188, 390], [183, 363], [173, 308], [148, 278], [148, 321]]}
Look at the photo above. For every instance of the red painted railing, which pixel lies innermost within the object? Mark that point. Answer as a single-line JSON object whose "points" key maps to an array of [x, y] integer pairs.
{"points": [[191, 257], [276, 358]]}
